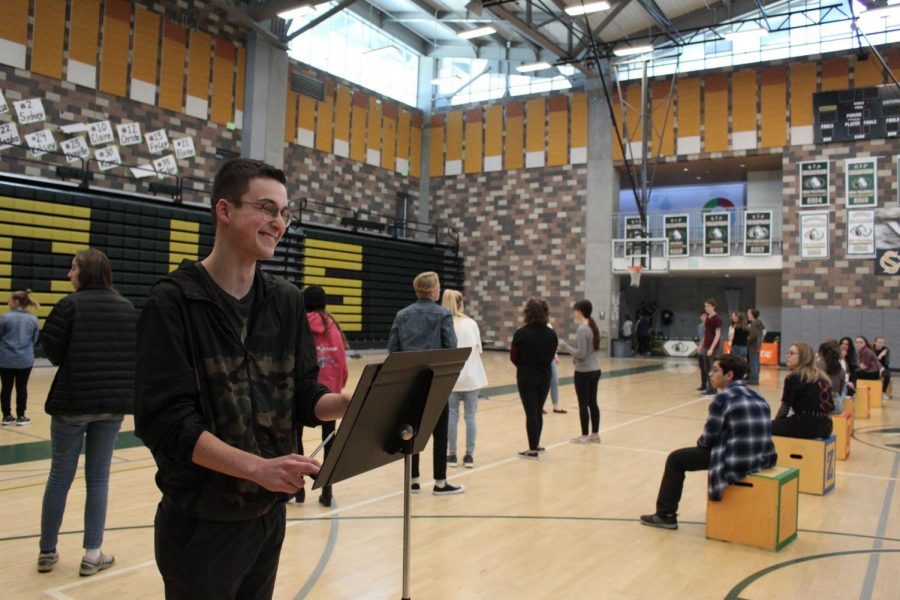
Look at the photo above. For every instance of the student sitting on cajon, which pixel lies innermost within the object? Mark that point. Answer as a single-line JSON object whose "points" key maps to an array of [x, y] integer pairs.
{"points": [[736, 440]]}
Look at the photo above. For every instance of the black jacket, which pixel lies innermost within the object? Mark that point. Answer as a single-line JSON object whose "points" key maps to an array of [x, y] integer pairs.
{"points": [[90, 336], [194, 374]]}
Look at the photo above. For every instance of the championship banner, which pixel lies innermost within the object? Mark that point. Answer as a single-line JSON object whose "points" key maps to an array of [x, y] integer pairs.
{"points": [[861, 183], [887, 242], [716, 227], [814, 235], [758, 233], [860, 233], [677, 232], [814, 184], [633, 229]]}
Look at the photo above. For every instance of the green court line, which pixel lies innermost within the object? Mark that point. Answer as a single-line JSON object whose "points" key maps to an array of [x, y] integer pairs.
{"points": [[14, 454]]}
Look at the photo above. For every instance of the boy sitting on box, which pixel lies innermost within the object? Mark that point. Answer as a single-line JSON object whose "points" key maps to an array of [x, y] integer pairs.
{"points": [[736, 441]]}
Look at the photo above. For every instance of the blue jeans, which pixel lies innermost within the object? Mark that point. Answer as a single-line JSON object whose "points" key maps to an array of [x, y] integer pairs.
{"points": [[470, 400], [740, 351], [554, 383], [753, 365], [66, 436]]}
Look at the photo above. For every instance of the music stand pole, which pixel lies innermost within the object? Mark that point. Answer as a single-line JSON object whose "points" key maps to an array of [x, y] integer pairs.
{"points": [[406, 434]]}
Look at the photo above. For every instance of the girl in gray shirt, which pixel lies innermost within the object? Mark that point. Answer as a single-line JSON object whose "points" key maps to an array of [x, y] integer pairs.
{"points": [[586, 356]]}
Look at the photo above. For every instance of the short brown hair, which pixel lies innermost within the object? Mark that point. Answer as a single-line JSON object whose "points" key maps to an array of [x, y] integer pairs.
{"points": [[234, 177], [23, 299], [729, 363], [94, 268], [711, 302], [535, 313], [425, 283]]}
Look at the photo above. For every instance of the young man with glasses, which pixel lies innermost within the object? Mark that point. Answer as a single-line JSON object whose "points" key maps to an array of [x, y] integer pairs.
{"points": [[226, 370], [736, 441]]}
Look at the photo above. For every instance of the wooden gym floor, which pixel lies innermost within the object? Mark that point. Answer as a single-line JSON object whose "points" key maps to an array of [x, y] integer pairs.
{"points": [[563, 527]]}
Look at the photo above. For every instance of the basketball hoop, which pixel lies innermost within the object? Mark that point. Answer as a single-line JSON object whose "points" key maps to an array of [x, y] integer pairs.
{"points": [[635, 272]]}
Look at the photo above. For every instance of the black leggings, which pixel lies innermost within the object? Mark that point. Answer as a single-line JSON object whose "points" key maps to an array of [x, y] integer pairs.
{"points": [[533, 389], [586, 389], [19, 378], [438, 447]]}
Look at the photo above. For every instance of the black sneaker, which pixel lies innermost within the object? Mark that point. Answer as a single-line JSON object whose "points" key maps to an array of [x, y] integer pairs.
{"points": [[448, 489], [656, 520], [701, 388], [529, 454], [468, 461], [414, 487], [451, 460], [23, 420], [541, 449], [9, 420]]}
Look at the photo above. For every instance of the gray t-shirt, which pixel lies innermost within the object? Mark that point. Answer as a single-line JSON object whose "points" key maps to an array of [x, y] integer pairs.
{"points": [[586, 358]]}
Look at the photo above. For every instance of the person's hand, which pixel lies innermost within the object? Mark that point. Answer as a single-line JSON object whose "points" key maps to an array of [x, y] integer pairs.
{"points": [[285, 473], [851, 386], [557, 360], [709, 352]]}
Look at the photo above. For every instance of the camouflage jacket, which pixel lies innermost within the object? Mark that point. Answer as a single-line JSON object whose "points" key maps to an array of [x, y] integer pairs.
{"points": [[194, 374]]}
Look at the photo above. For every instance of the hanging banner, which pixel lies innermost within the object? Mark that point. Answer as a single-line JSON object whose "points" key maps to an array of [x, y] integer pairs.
{"points": [[860, 233], [716, 228], [129, 134], [861, 182], [633, 229], [814, 235], [677, 232], [887, 241], [814, 184], [75, 149], [758, 233], [100, 132]]}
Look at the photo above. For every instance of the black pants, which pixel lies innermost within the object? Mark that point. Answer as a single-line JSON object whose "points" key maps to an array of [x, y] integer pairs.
{"points": [[885, 380], [533, 389], [679, 462], [706, 363], [809, 428], [586, 390], [217, 559], [327, 428], [869, 376], [643, 344], [19, 378], [438, 447]]}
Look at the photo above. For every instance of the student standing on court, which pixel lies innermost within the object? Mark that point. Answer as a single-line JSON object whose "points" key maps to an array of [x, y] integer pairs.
{"points": [[226, 370], [426, 325], [712, 335], [331, 356], [554, 371], [883, 354], [19, 331], [471, 379], [701, 331], [533, 349], [736, 441], [90, 336], [586, 355], [754, 345]]}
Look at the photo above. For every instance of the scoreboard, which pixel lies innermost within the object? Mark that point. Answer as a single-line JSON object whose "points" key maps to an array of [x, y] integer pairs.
{"points": [[858, 114]]}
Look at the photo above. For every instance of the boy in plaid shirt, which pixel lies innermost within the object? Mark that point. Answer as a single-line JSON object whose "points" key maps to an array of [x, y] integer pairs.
{"points": [[736, 441]]}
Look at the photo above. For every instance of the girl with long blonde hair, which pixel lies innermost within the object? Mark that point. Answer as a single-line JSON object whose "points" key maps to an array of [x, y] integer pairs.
{"points": [[806, 402]]}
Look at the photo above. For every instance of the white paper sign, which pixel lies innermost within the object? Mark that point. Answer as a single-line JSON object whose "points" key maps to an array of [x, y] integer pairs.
{"points": [[157, 141], [100, 132], [4, 107], [108, 157], [141, 171], [75, 149], [184, 148], [9, 134], [861, 233], [29, 111], [40, 142], [166, 165], [129, 134]]}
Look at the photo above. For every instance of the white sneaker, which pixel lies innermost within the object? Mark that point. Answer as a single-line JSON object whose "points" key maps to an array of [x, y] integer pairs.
{"points": [[581, 439]]}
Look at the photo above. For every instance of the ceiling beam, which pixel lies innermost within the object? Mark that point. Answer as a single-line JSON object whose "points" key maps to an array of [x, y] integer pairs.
{"points": [[269, 9], [595, 34]]}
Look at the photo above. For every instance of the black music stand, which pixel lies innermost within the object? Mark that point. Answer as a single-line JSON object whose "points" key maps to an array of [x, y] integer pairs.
{"points": [[391, 415]]}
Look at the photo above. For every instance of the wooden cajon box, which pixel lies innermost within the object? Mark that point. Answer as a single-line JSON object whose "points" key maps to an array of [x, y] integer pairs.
{"points": [[850, 406], [759, 511], [861, 404], [813, 458], [842, 427], [874, 387]]}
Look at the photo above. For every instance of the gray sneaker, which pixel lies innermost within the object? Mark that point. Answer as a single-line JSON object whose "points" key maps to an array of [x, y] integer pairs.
{"points": [[91, 568], [46, 561]]}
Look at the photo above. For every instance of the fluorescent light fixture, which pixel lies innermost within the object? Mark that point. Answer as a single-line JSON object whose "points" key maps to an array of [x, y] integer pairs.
{"points": [[474, 33], [584, 9], [452, 80], [745, 35], [390, 50], [538, 66], [569, 70], [632, 50]]}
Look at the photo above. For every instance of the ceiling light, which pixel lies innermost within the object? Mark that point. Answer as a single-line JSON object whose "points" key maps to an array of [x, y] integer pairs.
{"points": [[474, 33], [745, 35], [383, 51], [584, 9], [871, 19], [453, 79], [569, 70], [632, 50], [533, 67]]}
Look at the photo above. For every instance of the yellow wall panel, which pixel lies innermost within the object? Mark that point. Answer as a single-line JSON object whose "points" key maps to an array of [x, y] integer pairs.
{"points": [[493, 130], [358, 118], [171, 72], [306, 117], [454, 134], [579, 121], [663, 119], [633, 123], [514, 152], [474, 158], [198, 65], [239, 79], [222, 106], [290, 116], [114, 54], [558, 131], [373, 127], [14, 24], [436, 146], [535, 126], [620, 125], [342, 114], [835, 74], [146, 37], [389, 138], [49, 35], [415, 150], [84, 30], [867, 73], [802, 88], [773, 101], [743, 100], [715, 104], [403, 123], [325, 120], [688, 107]]}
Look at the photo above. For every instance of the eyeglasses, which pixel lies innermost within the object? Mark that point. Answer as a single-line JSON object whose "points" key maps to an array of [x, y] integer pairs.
{"points": [[271, 209], [793, 353]]}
